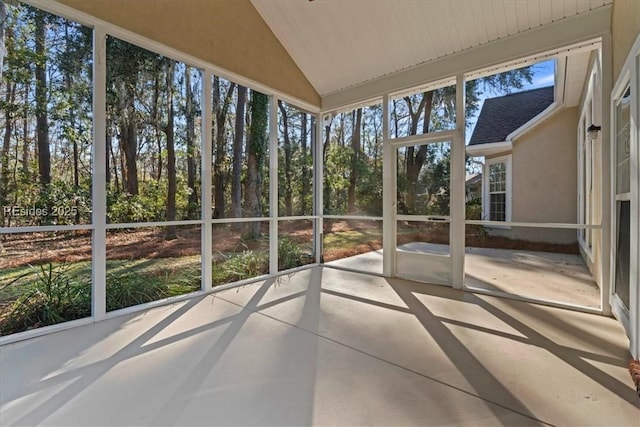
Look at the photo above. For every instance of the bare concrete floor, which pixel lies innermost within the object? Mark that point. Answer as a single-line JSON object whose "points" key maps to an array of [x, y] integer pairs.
{"points": [[326, 347], [554, 277]]}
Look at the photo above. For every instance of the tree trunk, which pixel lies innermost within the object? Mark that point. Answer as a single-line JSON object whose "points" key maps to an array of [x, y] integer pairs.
{"points": [[26, 170], [6, 145], [3, 19], [355, 155], [155, 113], [42, 125], [128, 133], [236, 173], [288, 191], [107, 155], [129, 142], [171, 154], [327, 185], [306, 178], [68, 81], [257, 144], [415, 160], [220, 108], [192, 209], [218, 172]]}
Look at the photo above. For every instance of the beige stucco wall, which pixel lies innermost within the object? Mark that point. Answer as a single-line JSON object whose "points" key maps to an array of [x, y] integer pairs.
{"points": [[227, 33], [625, 27], [593, 255], [544, 179]]}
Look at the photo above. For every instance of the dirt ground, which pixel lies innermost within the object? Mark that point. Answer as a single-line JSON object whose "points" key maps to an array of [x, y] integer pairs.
{"points": [[148, 243]]}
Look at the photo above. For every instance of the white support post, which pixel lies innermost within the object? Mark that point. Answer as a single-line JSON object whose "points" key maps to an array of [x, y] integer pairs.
{"points": [[99, 177], [389, 179], [318, 187], [608, 192], [634, 226], [457, 198], [205, 167], [273, 185]]}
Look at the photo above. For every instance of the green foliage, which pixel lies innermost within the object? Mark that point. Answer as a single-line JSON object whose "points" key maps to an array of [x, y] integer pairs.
{"points": [[289, 254], [131, 288], [65, 204], [474, 209], [54, 293], [67, 59], [149, 205], [241, 265], [125, 207], [258, 136], [54, 296]]}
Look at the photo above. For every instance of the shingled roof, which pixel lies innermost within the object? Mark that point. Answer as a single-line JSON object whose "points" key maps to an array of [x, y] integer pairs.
{"points": [[502, 115]]}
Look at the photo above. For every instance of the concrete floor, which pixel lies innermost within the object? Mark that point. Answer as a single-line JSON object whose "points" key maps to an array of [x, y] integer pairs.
{"points": [[561, 278], [553, 277], [326, 347]]}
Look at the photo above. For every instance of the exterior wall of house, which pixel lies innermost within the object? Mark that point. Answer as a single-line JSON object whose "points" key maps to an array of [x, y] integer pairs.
{"points": [[625, 27], [544, 179], [591, 106], [233, 36]]}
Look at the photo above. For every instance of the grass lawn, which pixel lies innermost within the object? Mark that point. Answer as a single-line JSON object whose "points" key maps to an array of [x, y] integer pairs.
{"points": [[53, 292]]}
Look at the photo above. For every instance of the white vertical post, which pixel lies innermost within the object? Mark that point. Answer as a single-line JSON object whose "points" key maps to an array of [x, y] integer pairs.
{"points": [[99, 176], [273, 185], [205, 167], [634, 229], [457, 199], [318, 186], [389, 179], [608, 192]]}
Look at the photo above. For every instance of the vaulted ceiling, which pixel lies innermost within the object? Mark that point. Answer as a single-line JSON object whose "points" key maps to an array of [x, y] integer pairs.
{"points": [[342, 44]]}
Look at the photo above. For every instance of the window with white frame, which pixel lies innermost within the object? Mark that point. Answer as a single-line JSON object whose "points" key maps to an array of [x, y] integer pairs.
{"points": [[625, 174], [497, 197]]}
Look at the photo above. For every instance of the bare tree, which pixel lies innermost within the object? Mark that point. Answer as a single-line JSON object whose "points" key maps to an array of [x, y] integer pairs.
{"points": [[171, 153], [286, 147], [220, 110], [191, 145], [236, 173], [42, 124], [257, 144], [355, 154], [306, 176]]}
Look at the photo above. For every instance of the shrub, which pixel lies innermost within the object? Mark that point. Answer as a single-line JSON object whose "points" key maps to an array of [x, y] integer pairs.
{"points": [[474, 209], [289, 254], [243, 265], [130, 288], [54, 296]]}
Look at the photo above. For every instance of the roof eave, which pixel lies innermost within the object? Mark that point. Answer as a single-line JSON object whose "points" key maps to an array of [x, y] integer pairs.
{"points": [[489, 149], [535, 121]]}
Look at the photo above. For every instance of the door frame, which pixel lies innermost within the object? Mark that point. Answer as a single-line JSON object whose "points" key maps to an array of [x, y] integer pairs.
{"points": [[413, 265]]}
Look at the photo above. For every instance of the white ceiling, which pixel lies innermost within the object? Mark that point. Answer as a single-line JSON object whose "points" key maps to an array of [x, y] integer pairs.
{"points": [[341, 44]]}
